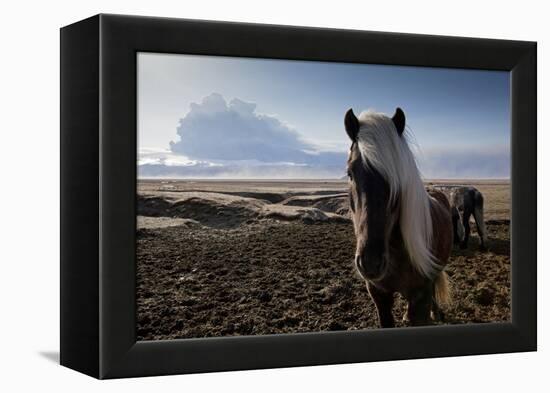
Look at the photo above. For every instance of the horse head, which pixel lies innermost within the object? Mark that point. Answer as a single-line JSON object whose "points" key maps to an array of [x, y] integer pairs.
{"points": [[373, 203]]}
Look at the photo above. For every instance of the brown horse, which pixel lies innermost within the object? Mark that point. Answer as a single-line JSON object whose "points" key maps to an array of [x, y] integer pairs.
{"points": [[404, 233]]}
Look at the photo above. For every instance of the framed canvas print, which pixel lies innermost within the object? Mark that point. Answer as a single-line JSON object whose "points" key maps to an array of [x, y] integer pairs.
{"points": [[238, 196]]}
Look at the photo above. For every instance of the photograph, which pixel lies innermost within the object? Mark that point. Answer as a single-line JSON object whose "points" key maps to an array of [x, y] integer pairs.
{"points": [[284, 196], [266, 198]]}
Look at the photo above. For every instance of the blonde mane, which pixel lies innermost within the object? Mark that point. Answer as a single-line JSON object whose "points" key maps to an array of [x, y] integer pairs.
{"points": [[389, 153]]}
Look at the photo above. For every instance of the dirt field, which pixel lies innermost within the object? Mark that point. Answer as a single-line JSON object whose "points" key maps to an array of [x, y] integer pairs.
{"points": [[219, 258]]}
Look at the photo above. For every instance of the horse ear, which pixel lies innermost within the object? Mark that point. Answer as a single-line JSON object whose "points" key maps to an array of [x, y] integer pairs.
{"points": [[399, 121], [352, 125]]}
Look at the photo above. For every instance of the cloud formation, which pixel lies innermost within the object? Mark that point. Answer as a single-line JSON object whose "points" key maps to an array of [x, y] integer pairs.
{"points": [[160, 163], [442, 162], [238, 170], [231, 140], [215, 130]]}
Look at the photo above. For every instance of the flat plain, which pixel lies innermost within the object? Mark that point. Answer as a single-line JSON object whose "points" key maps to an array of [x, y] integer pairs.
{"points": [[225, 258]]}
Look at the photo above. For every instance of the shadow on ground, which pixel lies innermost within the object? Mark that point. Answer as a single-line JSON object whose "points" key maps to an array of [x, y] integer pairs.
{"points": [[52, 356]]}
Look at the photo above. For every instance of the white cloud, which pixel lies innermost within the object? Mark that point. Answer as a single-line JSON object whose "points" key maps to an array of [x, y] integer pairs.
{"points": [[163, 163], [148, 156], [214, 129], [221, 140]]}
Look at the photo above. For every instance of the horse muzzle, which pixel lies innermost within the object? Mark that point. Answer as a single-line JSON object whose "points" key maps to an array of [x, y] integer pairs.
{"points": [[370, 268]]}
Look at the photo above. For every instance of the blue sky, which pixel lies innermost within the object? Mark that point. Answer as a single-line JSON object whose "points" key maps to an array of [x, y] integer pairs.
{"points": [[203, 116]]}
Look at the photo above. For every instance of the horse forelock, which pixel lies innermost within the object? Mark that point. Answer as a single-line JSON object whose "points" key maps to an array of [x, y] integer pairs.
{"points": [[389, 153]]}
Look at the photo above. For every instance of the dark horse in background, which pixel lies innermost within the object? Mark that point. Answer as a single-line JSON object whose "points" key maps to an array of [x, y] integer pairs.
{"points": [[465, 202], [404, 234]]}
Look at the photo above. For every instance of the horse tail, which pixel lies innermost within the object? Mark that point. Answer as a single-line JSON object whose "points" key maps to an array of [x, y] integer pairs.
{"points": [[442, 289]]}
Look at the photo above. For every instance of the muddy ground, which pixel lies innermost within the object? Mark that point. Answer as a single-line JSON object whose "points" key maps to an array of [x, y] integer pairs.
{"points": [[230, 258]]}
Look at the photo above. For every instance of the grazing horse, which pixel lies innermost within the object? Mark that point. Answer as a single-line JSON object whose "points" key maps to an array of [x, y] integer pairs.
{"points": [[404, 233], [465, 202]]}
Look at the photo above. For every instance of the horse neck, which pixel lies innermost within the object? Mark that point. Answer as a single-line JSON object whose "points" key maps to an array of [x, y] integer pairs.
{"points": [[416, 224], [442, 226]]}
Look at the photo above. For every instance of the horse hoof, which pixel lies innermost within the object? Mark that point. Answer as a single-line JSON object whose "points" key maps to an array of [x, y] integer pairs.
{"points": [[406, 319], [438, 316], [483, 248], [463, 246]]}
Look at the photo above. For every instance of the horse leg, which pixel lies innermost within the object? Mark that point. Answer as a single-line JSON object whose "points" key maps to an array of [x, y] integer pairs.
{"points": [[440, 293], [456, 238], [384, 305], [419, 306], [437, 313], [466, 223], [480, 223]]}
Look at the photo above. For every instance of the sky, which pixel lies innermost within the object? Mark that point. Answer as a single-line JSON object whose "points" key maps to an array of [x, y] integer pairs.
{"points": [[227, 117]]}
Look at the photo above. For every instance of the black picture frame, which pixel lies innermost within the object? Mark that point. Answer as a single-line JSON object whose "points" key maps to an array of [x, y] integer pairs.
{"points": [[98, 191]]}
